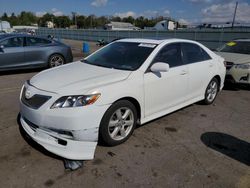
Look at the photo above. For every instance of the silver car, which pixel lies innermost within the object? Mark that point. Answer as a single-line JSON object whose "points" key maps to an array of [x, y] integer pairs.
{"points": [[21, 51]]}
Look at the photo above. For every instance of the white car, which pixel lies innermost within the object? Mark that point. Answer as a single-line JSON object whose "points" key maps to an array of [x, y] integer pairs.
{"points": [[237, 57], [130, 81]]}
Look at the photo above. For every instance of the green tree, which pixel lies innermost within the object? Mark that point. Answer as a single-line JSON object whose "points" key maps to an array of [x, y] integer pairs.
{"points": [[5, 16], [116, 19], [81, 22], [129, 19], [45, 18], [62, 21], [27, 18]]}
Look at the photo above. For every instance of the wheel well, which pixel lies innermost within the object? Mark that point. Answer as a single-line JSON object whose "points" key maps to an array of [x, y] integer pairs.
{"points": [[134, 102], [219, 80]]}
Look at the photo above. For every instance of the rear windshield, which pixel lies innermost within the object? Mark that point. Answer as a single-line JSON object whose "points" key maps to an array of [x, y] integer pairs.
{"points": [[122, 55], [240, 47]]}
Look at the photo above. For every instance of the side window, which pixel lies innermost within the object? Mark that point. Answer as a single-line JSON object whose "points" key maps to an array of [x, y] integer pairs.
{"points": [[170, 54], [32, 41], [12, 42], [193, 53]]}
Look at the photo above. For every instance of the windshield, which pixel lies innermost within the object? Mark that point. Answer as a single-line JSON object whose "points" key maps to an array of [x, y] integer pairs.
{"points": [[240, 47], [121, 55]]}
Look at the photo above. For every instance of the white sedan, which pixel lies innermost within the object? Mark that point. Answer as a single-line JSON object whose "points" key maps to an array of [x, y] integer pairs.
{"points": [[128, 82]]}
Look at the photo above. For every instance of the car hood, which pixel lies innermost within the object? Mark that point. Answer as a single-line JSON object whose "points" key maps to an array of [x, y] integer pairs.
{"points": [[234, 57], [75, 77]]}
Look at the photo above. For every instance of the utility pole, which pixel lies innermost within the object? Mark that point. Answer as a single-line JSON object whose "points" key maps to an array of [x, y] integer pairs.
{"points": [[235, 11], [74, 17], [1, 25]]}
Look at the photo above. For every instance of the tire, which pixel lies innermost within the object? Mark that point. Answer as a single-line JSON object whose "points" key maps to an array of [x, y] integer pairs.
{"points": [[56, 60], [211, 91], [118, 123]]}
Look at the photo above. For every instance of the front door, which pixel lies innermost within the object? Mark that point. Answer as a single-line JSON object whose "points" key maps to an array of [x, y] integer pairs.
{"points": [[11, 52], [164, 90]]}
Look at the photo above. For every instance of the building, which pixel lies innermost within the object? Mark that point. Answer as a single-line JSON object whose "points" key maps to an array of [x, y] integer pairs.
{"points": [[5, 26], [165, 25], [120, 26], [50, 24]]}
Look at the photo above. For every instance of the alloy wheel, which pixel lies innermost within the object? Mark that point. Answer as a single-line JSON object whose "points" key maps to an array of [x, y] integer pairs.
{"points": [[121, 123]]}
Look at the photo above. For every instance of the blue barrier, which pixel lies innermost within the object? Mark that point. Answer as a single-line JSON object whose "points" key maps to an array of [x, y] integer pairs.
{"points": [[85, 47]]}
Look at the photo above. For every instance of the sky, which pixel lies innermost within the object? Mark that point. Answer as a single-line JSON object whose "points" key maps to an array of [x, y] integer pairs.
{"points": [[189, 11]]}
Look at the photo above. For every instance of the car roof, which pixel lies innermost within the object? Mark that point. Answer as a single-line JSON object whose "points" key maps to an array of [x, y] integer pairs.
{"points": [[2, 36], [242, 40], [153, 41]]}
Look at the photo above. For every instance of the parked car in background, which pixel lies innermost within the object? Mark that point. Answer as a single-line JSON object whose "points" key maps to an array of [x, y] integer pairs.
{"points": [[237, 57], [105, 95], [21, 51]]}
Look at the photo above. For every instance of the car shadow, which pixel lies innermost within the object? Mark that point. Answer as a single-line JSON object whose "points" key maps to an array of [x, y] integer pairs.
{"points": [[33, 144], [23, 71], [228, 145], [235, 87]]}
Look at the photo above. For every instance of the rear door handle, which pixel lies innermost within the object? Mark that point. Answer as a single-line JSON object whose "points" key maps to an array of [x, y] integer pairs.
{"points": [[211, 64]]}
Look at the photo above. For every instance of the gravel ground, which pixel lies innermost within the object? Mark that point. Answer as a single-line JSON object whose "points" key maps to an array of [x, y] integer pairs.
{"points": [[198, 146]]}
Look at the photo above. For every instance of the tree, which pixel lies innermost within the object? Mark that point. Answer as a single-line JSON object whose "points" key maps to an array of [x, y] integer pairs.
{"points": [[62, 21], [13, 19], [81, 22], [47, 17], [27, 18], [116, 19], [129, 19], [5, 16]]}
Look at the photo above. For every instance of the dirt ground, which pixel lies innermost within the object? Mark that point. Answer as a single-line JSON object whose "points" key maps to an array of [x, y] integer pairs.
{"points": [[198, 146]]}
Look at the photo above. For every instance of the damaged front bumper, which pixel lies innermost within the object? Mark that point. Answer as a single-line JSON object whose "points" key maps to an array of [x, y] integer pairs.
{"points": [[60, 145], [71, 133]]}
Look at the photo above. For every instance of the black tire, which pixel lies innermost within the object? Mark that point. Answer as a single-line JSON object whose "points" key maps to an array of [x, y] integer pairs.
{"points": [[104, 130], [52, 59], [208, 99]]}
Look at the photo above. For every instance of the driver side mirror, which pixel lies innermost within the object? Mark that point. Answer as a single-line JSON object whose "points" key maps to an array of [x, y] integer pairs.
{"points": [[159, 67]]}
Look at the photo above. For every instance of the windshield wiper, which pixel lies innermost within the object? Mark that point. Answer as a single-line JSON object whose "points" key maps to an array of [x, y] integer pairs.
{"points": [[85, 61]]}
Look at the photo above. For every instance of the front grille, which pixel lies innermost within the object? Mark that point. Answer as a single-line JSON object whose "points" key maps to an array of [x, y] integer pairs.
{"points": [[229, 65], [36, 101]]}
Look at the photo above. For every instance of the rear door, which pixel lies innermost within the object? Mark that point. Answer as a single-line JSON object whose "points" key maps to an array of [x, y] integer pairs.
{"points": [[11, 52], [36, 50], [201, 69]]}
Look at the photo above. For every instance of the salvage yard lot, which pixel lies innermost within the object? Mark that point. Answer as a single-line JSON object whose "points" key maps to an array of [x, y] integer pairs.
{"points": [[198, 146]]}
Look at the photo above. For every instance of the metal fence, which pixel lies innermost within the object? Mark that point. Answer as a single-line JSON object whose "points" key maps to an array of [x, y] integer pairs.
{"points": [[210, 38]]}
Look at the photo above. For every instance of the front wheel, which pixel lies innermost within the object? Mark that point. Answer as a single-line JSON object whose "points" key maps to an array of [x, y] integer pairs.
{"points": [[211, 91], [56, 60], [118, 123]]}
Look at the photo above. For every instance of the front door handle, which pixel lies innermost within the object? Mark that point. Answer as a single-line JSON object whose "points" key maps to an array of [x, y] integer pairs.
{"points": [[184, 72]]}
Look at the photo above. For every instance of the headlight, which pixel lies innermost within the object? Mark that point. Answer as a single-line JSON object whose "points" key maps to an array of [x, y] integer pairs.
{"points": [[75, 101], [243, 66]]}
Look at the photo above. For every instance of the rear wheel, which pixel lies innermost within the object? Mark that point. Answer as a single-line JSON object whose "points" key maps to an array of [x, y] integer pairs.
{"points": [[56, 60], [118, 123], [211, 91]]}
